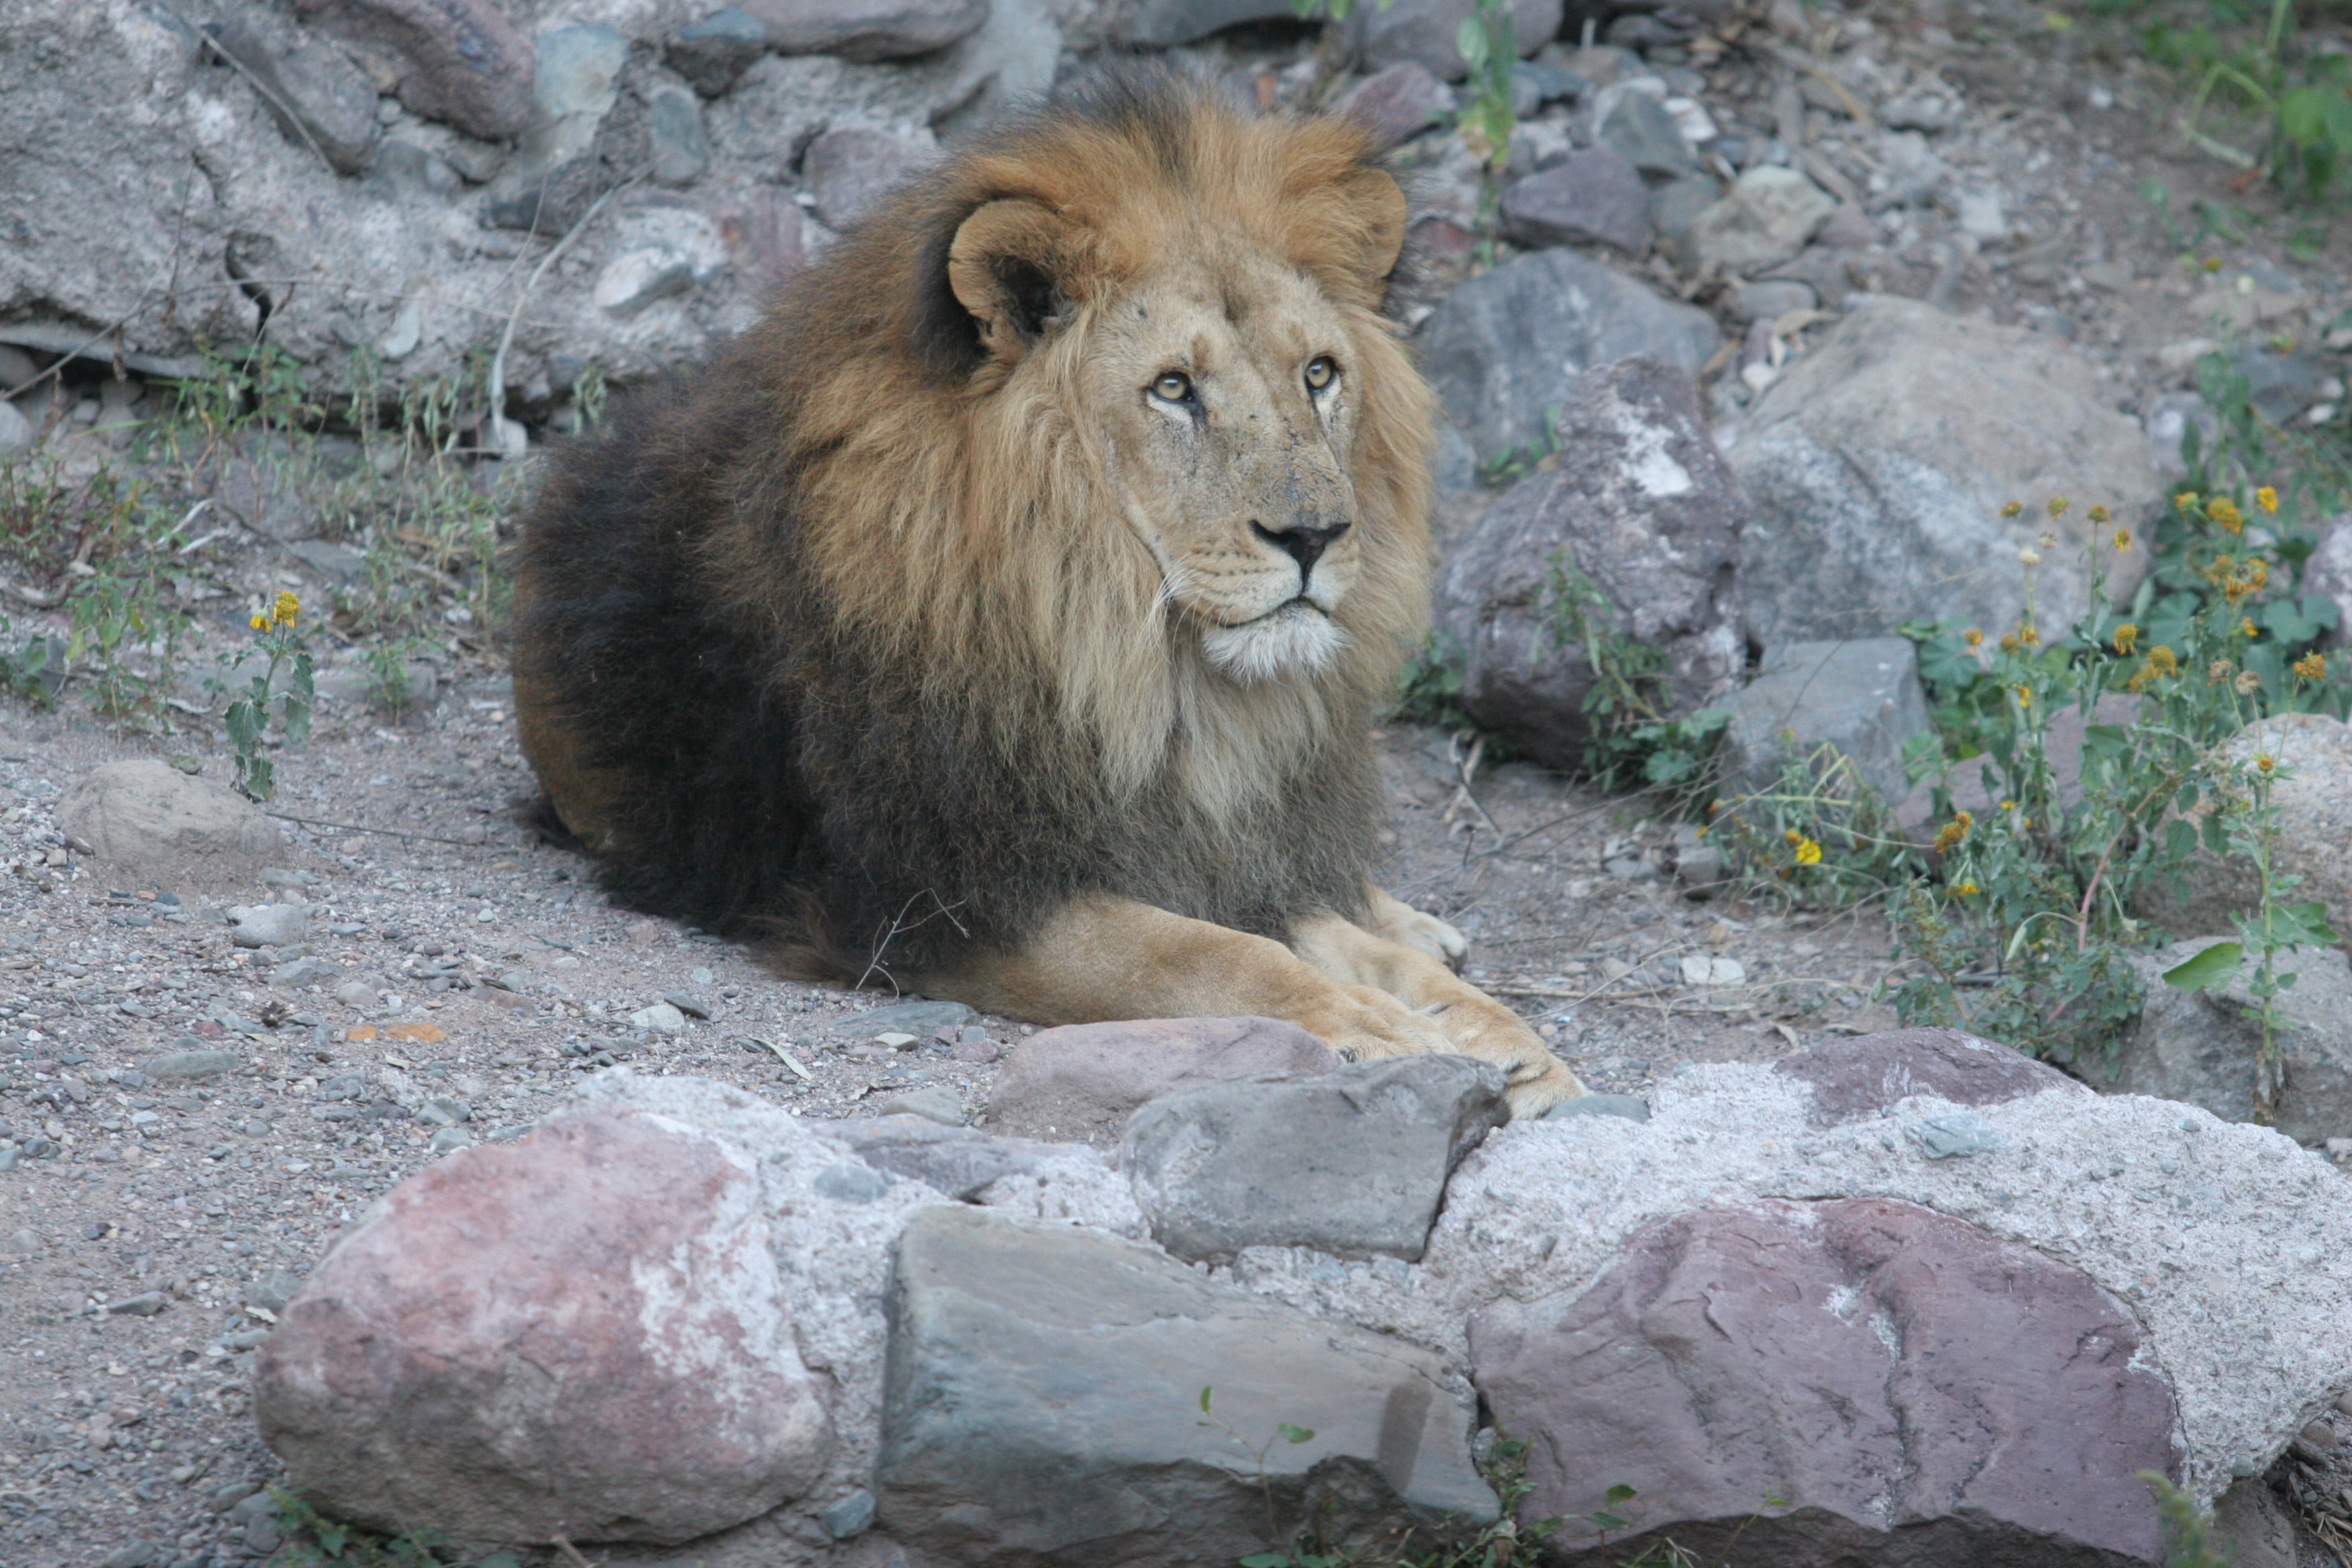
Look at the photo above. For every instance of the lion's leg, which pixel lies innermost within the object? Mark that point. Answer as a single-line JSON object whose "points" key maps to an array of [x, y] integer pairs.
{"points": [[1474, 1022], [1392, 919], [1101, 960]]}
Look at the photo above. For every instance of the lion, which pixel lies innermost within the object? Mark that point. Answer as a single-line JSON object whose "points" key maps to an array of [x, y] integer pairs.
{"points": [[1004, 615]]}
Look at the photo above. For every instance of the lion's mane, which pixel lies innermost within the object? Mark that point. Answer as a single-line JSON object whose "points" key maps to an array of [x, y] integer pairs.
{"points": [[845, 639]]}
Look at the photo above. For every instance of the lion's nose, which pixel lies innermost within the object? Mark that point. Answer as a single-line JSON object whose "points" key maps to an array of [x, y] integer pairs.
{"points": [[1303, 545]]}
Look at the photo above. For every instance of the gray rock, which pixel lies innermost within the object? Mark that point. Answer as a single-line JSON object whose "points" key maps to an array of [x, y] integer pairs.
{"points": [[579, 68], [661, 1018], [186, 1065], [1081, 1083], [866, 30], [355, 994], [2168, 420], [404, 170], [905, 1018], [674, 127], [1159, 24], [961, 1161], [1399, 103], [851, 1516], [266, 925], [2279, 385], [1863, 698], [1878, 466], [339, 563], [303, 972], [1351, 1163], [316, 95], [1633, 1108], [1954, 1137], [1637, 127], [450, 1138], [2204, 1048], [1770, 299], [1675, 207], [933, 1103], [17, 368], [687, 1003], [1644, 509], [1767, 217], [1044, 1399], [1507, 346], [461, 61], [851, 170], [1593, 196], [146, 1304], [713, 53], [1427, 31], [16, 432], [149, 819], [2256, 1526], [2328, 572], [261, 485]]}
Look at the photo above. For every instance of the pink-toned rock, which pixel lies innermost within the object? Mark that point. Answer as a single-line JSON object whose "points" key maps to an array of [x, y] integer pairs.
{"points": [[466, 62], [1912, 1390], [1078, 1084], [579, 1334], [1864, 1075], [1399, 102], [852, 169], [865, 29]]}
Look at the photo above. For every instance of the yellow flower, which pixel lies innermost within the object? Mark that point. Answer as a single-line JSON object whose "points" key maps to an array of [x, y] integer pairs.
{"points": [[2126, 638], [2185, 504], [1808, 852], [2247, 629], [2224, 513], [2008, 805], [2212, 263], [1793, 836], [2058, 505], [2025, 694], [2098, 514], [260, 623], [1955, 833], [2029, 637], [2265, 762], [2267, 498], [2123, 539], [1965, 890], [2163, 660], [286, 610], [2311, 667], [1973, 638], [2009, 643], [2011, 508]]}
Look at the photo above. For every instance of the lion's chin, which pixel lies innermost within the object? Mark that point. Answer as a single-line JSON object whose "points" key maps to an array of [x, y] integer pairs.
{"points": [[1297, 640]]}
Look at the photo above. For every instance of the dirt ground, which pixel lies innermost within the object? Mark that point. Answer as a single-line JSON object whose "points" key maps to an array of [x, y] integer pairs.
{"points": [[140, 1263]]}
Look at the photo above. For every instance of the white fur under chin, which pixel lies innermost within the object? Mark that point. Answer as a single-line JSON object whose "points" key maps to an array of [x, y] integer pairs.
{"points": [[1296, 641]]}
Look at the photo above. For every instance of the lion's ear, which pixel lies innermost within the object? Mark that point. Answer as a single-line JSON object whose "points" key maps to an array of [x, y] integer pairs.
{"points": [[1009, 266], [1350, 231]]}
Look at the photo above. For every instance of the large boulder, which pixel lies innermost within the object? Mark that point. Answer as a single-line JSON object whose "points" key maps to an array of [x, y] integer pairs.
{"points": [[1635, 526], [2328, 572], [1504, 349], [1079, 1084], [1862, 698], [146, 818], [1878, 467], [2206, 1047], [1351, 1163], [1594, 196], [2314, 804], [1046, 1391]]}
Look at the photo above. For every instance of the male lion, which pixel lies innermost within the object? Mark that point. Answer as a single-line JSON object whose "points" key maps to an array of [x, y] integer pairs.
{"points": [[1006, 613]]}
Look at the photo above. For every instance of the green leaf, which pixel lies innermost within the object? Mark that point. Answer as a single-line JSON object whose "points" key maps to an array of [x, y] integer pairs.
{"points": [[1470, 42], [1621, 1492], [1295, 1434], [244, 723], [332, 1537], [1205, 1402], [1266, 1560], [2310, 918], [297, 714], [2217, 966], [1604, 1520]]}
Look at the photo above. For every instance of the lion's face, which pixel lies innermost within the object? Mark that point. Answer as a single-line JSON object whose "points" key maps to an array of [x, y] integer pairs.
{"points": [[1224, 382]]}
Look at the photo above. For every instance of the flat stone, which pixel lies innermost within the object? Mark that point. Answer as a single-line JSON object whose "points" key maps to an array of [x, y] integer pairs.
{"points": [[673, 129], [713, 54], [1399, 103], [1352, 1162], [1593, 196], [959, 1160], [1864, 1076], [178, 1066], [866, 30], [934, 1102], [1045, 1398], [1639, 128], [1767, 217], [147, 819], [904, 1017], [266, 925], [579, 1333], [1505, 347], [661, 1018], [1908, 1387], [1861, 698], [1078, 1084]]}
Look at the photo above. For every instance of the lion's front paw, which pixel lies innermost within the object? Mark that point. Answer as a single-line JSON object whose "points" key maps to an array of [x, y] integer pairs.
{"points": [[1363, 1024], [1426, 933], [1539, 1094], [1485, 1029]]}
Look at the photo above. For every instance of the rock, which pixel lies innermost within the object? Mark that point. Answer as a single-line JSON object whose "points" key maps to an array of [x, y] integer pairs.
{"points": [[851, 170], [852, 1516], [147, 819], [2204, 1048], [1352, 1162], [1877, 464], [1770, 299], [146, 1304], [1398, 103], [461, 61], [661, 255], [714, 52], [1878, 1368], [1863, 698], [2256, 1526], [1594, 196], [1863, 1076], [933, 1103], [579, 71], [266, 925], [1643, 506], [1507, 346], [580, 1333], [1638, 127], [1160, 24], [1044, 1401], [661, 1019], [1426, 32], [1675, 206], [173, 1067], [337, 563], [303, 972], [2328, 572], [1769, 215], [18, 368], [2315, 824], [16, 432], [865, 29], [685, 1002], [961, 1161], [674, 127], [1079, 1083], [450, 1138], [908, 1017], [1631, 1106], [315, 94], [2166, 421]]}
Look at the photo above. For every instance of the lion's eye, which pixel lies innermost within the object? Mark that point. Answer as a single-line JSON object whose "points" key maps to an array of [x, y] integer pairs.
{"points": [[1173, 385], [1320, 372]]}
